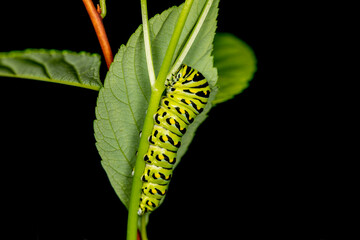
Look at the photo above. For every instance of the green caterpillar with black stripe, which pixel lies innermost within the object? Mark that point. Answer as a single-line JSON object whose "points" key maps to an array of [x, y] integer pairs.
{"points": [[186, 95]]}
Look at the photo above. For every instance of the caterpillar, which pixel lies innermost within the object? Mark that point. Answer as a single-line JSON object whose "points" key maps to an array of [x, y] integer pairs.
{"points": [[186, 95]]}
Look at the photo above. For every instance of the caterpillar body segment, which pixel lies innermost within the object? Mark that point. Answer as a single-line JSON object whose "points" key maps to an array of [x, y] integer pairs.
{"points": [[186, 95]]}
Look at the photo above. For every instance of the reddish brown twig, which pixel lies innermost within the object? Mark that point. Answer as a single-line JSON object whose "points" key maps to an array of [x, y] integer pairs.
{"points": [[100, 31]]}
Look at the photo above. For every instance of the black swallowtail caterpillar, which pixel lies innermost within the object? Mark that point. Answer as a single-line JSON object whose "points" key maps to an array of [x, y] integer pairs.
{"points": [[187, 93]]}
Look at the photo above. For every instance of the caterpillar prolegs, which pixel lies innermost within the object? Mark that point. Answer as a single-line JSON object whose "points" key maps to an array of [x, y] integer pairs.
{"points": [[186, 95]]}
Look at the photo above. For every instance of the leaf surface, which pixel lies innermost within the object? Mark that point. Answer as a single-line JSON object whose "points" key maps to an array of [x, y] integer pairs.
{"points": [[65, 67], [123, 101], [236, 65]]}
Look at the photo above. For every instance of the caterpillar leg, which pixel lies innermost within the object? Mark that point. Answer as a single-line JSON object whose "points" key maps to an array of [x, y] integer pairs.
{"points": [[147, 204]]}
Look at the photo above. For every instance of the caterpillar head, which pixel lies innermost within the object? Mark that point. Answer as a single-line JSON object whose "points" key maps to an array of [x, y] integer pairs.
{"points": [[174, 78], [178, 76]]}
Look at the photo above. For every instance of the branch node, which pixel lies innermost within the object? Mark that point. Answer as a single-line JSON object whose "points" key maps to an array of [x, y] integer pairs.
{"points": [[98, 9]]}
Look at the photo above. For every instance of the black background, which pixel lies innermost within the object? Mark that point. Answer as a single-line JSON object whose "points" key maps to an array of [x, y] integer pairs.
{"points": [[247, 174]]}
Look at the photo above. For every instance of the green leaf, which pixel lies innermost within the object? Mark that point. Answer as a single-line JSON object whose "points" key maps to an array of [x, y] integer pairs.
{"points": [[236, 65], [123, 101], [65, 67]]}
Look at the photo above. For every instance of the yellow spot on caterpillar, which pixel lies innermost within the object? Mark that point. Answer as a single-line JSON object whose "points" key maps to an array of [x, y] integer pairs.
{"points": [[153, 191], [192, 90], [181, 128], [157, 175], [187, 101], [197, 74], [205, 92], [171, 160], [198, 107], [161, 157], [182, 111], [165, 138], [172, 121], [190, 117], [150, 203]]}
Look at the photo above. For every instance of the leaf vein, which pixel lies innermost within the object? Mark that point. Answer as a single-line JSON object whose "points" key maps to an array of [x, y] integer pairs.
{"points": [[127, 96], [137, 79], [113, 131]]}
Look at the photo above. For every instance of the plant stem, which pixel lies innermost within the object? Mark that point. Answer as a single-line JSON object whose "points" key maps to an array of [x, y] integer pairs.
{"points": [[156, 95], [143, 228], [192, 38], [140, 165], [172, 45], [100, 31], [148, 52]]}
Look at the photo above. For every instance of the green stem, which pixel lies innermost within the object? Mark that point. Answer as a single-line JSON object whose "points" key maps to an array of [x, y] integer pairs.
{"points": [[192, 37], [148, 53], [156, 95], [140, 165], [164, 70], [143, 228]]}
